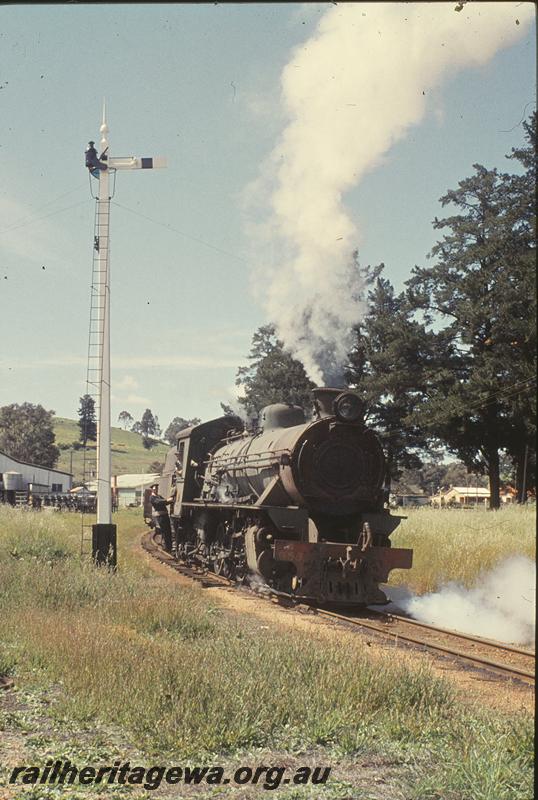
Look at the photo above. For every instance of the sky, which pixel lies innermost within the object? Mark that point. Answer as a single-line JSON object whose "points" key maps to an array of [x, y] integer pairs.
{"points": [[294, 133]]}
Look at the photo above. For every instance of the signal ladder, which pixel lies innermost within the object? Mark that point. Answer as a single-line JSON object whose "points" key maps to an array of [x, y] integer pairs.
{"points": [[94, 373]]}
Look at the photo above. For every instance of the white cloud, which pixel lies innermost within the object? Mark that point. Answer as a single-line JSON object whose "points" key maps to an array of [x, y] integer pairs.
{"points": [[131, 399], [132, 362], [179, 362], [127, 382]]}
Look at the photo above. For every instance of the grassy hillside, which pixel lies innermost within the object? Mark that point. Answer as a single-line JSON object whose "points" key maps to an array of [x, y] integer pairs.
{"points": [[128, 452]]}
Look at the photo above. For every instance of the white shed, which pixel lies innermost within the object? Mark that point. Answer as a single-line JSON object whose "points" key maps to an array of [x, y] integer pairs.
{"points": [[129, 489], [53, 481]]}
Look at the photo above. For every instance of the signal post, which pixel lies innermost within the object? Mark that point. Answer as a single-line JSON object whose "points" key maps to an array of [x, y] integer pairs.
{"points": [[104, 531]]}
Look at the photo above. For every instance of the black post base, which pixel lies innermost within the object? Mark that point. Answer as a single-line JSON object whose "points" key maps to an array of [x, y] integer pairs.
{"points": [[104, 550]]}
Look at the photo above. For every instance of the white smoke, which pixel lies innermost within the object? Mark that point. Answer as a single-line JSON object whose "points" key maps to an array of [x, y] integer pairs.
{"points": [[258, 584], [350, 92], [501, 606]]}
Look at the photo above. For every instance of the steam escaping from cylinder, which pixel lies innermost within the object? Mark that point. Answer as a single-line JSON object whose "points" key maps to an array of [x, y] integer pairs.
{"points": [[257, 583], [350, 92], [501, 605]]}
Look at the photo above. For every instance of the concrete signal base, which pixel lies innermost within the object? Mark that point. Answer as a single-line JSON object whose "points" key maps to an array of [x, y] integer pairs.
{"points": [[104, 551]]}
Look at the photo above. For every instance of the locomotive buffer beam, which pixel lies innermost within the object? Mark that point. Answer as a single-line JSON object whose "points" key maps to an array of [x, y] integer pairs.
{"points": [[325, 568]]}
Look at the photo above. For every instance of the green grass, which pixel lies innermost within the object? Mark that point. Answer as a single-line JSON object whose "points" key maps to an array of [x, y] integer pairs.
{"points": [[456, 545], [128, 452], [182, 679]]}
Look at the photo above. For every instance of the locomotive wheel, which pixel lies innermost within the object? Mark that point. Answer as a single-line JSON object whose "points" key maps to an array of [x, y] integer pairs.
{"points": [[223, 565]]}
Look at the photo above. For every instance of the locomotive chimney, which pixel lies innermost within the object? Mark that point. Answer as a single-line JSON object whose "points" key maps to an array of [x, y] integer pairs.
{"points": [[345, 405], [324, 399]]}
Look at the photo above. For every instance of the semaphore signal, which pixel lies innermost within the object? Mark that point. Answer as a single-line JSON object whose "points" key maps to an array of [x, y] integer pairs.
{"points": [[101, 167]]}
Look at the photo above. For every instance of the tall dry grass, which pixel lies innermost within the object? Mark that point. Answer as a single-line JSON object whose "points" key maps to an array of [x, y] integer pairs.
{"points": [[456, 545], [183, 680], [167, 665]]}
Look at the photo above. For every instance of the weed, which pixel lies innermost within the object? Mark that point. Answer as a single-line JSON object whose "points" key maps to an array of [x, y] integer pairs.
{"points": [[184, 680]]}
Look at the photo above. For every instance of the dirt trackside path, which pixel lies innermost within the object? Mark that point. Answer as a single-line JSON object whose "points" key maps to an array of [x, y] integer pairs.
{"points": [[478, 688]]}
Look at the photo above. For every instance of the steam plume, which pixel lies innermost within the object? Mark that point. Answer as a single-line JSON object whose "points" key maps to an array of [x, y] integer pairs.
{"points": [[350, 92], [501, 606]]}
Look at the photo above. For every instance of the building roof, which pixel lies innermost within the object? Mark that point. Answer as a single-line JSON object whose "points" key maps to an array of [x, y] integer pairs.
{"points": [[411, 494], [469, 491], [134, 481], [36, 466], [129, 481]]}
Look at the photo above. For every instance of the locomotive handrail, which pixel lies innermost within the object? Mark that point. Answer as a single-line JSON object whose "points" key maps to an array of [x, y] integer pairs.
{"points": [[234, 466], [245, 457], [204, 502]]}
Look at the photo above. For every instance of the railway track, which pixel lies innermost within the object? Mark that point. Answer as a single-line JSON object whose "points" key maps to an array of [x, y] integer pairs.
{"points": [[496, 657]]}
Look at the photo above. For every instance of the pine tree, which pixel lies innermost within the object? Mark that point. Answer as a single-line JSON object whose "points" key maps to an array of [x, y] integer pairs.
{"points": [[148, 424], [388, 367], [482, 288], [273, 376], [87, 422], [520, 202]]}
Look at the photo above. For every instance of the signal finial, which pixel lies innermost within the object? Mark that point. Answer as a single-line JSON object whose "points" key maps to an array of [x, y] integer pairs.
{"points": [[104, 130]]}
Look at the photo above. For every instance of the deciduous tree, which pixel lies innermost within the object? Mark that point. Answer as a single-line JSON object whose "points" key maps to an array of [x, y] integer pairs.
{"points": [[27, 434], [125, 419], [176, 425]]}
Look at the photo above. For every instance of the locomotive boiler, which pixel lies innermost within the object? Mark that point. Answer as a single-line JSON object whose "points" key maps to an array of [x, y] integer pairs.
{"points": [[294, 505]]}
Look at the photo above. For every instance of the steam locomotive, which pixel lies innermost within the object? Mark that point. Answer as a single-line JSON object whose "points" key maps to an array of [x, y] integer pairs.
{"points": [[296, 505]]}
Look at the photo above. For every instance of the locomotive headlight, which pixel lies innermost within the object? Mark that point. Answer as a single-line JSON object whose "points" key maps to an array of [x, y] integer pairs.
{"points": [[348, 407]]}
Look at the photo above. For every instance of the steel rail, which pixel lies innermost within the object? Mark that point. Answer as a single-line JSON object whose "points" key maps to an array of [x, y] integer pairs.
{"points": [[478, 639], [213, 580], [430, 645], [207, 579]]}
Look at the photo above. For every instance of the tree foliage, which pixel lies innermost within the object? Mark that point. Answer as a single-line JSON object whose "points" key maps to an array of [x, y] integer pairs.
{"points": [[482, 286], [27, 434], [176, 425], [451, 361], [126, 419], [273, 375], [435, 476], [149, 424], [87, 422], [148, 427], [389, 366]]}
